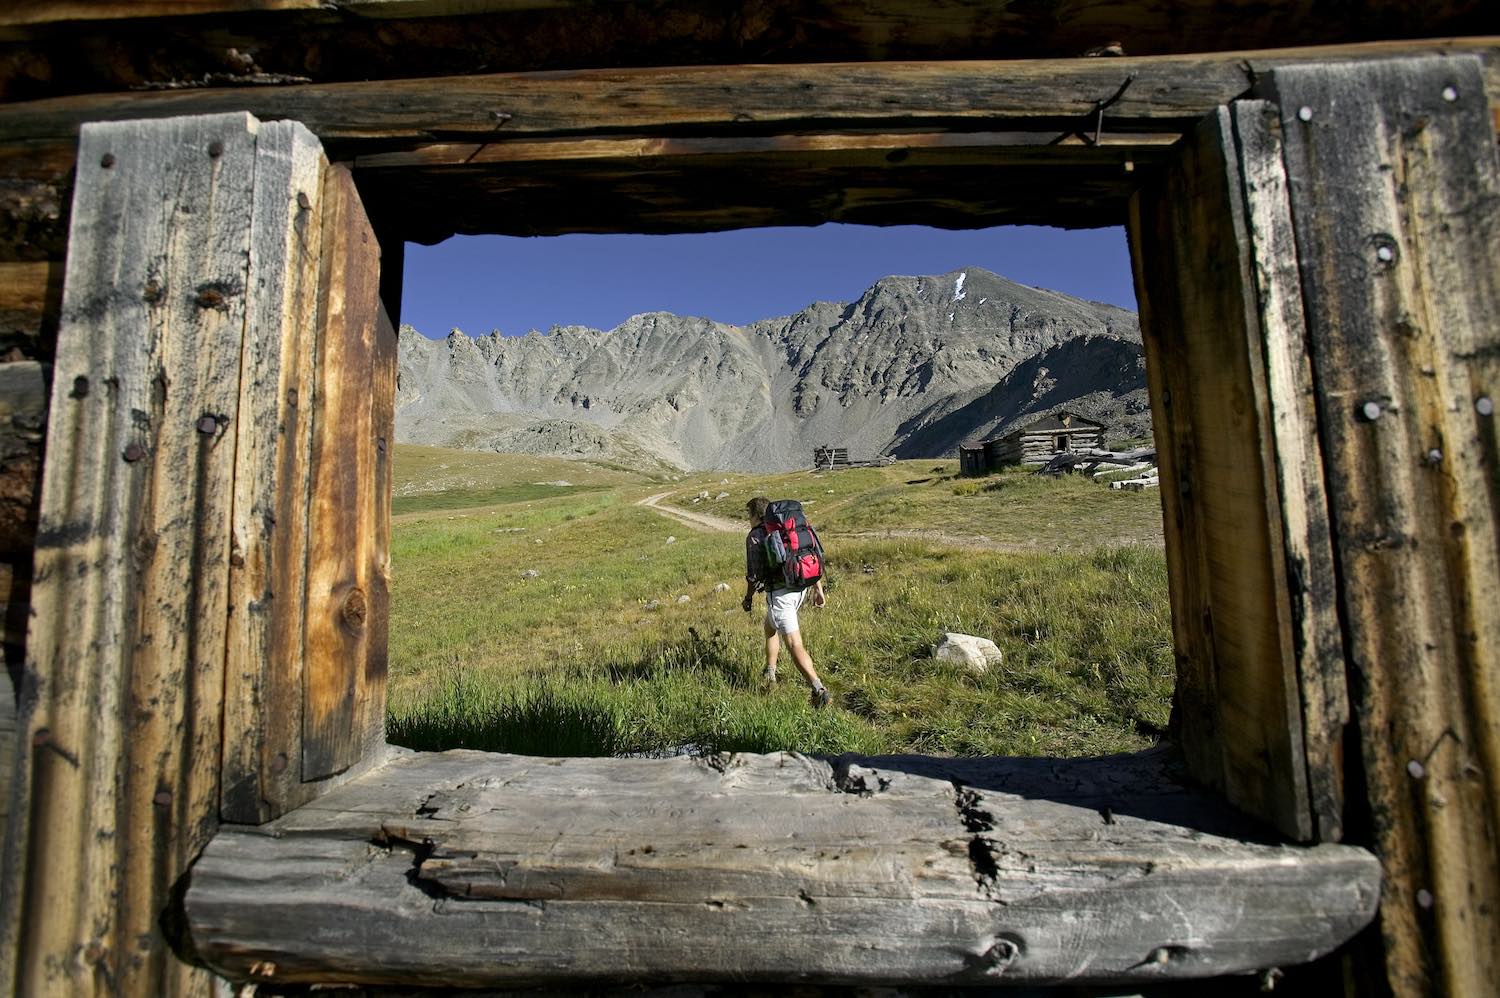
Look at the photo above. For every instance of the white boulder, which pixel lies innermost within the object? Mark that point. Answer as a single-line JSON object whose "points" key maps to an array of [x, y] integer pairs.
{"points": [[975, 654], [722, 587]]}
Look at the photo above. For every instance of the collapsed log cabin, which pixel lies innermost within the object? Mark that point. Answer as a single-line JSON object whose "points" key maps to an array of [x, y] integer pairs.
{"points": [[194, 517]]}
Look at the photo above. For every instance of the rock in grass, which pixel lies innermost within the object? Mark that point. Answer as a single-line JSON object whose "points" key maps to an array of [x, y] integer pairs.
{"points": [[684, 598], [671, 539], [722, 587], [654, 605], [975, 654], [721, 495], [530, 573]]}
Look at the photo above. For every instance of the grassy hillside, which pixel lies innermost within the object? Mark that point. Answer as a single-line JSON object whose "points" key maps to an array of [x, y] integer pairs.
{"points": [[597, 652]]}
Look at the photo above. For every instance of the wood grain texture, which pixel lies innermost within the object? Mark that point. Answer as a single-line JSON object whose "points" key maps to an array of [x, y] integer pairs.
{"points": [[262, 774], [36, 184], [468, 869], [344, 704], [1395, 195], [1308, 579], [1164, 93], [1238, 710], [30, 297], [121, 719], [23, 425], [251, 42]]}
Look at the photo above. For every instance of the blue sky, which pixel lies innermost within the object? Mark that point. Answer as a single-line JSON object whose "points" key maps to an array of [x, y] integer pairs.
{"points": [[510, 283]]}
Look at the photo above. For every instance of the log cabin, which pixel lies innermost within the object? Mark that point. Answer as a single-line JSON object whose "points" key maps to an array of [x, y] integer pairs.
{"points": [[1040, 440], [194, 492]]}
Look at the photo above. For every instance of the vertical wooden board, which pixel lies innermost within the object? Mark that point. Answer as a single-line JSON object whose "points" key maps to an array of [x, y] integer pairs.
{"points": [[341, 515], [1198, 300], [371, 723], [121, 712], [1317, 642], [263, 669], [1395, 195], [1153, 242]]}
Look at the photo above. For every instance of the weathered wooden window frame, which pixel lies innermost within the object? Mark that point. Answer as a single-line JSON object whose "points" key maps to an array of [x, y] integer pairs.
{"points": [[1260, 301]]}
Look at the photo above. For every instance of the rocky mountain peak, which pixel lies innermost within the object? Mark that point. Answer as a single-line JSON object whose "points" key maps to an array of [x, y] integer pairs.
{"points": [[895, 371]]}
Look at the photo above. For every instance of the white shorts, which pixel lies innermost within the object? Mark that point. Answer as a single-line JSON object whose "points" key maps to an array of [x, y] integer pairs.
{"points": [[781, 609]]}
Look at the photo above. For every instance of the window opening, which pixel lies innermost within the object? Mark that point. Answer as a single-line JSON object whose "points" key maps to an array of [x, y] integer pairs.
{"points": [[569, 521]]}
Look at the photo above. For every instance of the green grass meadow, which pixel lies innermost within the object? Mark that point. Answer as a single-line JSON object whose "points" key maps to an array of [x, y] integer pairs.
{"points": [[597, 654]]}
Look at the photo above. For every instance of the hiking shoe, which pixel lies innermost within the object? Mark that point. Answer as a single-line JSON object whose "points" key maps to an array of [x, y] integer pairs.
{"points": [[768, 676], [820, 698]]}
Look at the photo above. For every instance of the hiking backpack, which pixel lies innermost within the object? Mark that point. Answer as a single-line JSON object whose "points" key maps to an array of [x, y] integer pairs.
{"points": [[794, 555]]}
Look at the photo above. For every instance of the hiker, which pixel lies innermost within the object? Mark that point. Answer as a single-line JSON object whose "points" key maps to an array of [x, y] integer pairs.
{"points": [[786, 579]]}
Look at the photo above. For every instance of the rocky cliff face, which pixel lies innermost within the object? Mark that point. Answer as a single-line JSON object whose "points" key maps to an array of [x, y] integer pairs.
{"points": [[911, 368]]}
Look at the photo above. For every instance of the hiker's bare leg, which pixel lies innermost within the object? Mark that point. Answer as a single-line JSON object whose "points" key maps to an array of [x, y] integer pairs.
{"points": [[773, 648], [802, 658]]}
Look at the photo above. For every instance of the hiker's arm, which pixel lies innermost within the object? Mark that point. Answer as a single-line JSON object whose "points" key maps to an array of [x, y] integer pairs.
{"points": [[751, 572], [819, 596], [749, 594]]}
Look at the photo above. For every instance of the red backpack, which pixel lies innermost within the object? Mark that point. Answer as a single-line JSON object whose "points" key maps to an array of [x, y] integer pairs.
{"points": [[794, 555]]}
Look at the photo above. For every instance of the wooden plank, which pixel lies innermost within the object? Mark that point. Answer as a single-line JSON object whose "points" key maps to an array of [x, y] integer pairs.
{"points": [[496, 870], [370, 721], [268, 560], [1164, 93], [1395, 196], [343, 561], [121, 742], [30, 296], [366, 39], [1238, 710], [1317, 643]]}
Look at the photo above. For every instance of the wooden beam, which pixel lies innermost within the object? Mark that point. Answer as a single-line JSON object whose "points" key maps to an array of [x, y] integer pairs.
{"points": [[73, 46], [466, 869], [1234, 612], [1163, 92], [1395, 198], [347, 568]]}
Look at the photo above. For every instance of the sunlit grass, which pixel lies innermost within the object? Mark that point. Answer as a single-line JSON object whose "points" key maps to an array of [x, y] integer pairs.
{"points": [[596, 654]]}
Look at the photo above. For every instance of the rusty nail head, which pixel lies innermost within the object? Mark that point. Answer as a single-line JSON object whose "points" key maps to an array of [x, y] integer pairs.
{"points": [[1450, 94], [216, 148], [1416, 769], [1371, 411], [380, 444], [208, 425], [107, 160], [134, 452], [303, 201], [42, 736], [1385, 254], [1434, 456], [237, 560], [1424, 898], [210, 298], [162, 798], [279, 764], [1304, 113], [291, 398], [1484, 406]]}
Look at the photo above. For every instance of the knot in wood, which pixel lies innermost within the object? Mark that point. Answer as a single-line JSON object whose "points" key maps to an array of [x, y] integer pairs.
{"points": [[356, 608], [151, 293], [1004, 952]]}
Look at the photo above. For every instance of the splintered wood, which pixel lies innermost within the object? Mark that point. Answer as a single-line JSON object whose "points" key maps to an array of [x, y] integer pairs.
{"points": [[472, 869]]}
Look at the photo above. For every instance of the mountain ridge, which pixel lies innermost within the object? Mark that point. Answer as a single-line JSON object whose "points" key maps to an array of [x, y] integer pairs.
{"points": [[898, 370]]}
